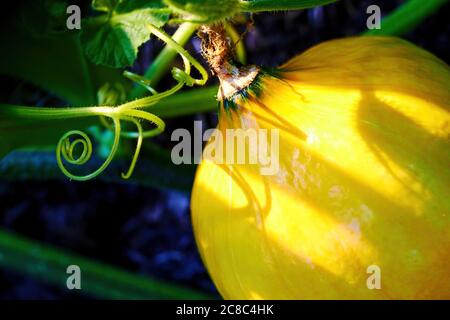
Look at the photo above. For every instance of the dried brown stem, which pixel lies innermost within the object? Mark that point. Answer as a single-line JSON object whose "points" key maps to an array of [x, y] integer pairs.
{"points": [[218, 50], [216, 47]]}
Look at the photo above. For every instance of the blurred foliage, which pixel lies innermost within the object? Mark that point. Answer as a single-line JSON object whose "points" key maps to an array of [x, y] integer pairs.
{"points": [[97, 279], [156, 170]]}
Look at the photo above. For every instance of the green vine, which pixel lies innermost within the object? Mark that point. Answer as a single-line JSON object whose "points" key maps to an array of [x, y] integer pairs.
{"points": [[130, 112], [279, 5], [162, 62]]}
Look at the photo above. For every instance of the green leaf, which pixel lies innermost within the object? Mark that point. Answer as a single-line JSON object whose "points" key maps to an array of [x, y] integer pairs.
{"points": [[51, 60], [56, 65], [114, 40], [130, 5], [104, 5]]}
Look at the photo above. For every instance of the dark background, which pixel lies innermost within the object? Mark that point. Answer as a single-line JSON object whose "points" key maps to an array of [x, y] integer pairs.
{"points": [[146, 230]]}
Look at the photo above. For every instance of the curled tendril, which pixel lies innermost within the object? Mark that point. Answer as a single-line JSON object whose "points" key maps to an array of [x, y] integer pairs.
{"points": [[65, 150], [140, 80], [67, 147], [153, 119], [131, 112], [186, 56], [183, 77], [138, 148], [69, 142]]}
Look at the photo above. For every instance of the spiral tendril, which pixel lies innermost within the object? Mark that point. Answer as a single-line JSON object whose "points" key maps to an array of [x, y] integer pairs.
{"points": [[65, 150], [67, 147], [75, 147]]}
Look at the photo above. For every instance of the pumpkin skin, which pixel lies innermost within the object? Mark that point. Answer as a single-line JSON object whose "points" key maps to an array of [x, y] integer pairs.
{"points": [[364, 179]]}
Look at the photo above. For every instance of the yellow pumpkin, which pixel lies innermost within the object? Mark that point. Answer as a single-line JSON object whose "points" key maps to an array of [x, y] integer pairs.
{"points": [[363, 182]]}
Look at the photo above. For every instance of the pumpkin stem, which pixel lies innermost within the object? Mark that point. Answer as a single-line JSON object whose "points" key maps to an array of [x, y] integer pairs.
{"points": [[218, 50], [216, 47]]}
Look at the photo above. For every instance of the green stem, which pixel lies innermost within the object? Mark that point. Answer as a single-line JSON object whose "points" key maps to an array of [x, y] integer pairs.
{"points": [[180, 104], [407, 17], [278, 5], [46, 113], [155, 169], [186, 103], [97, 279], [162, 63]]}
